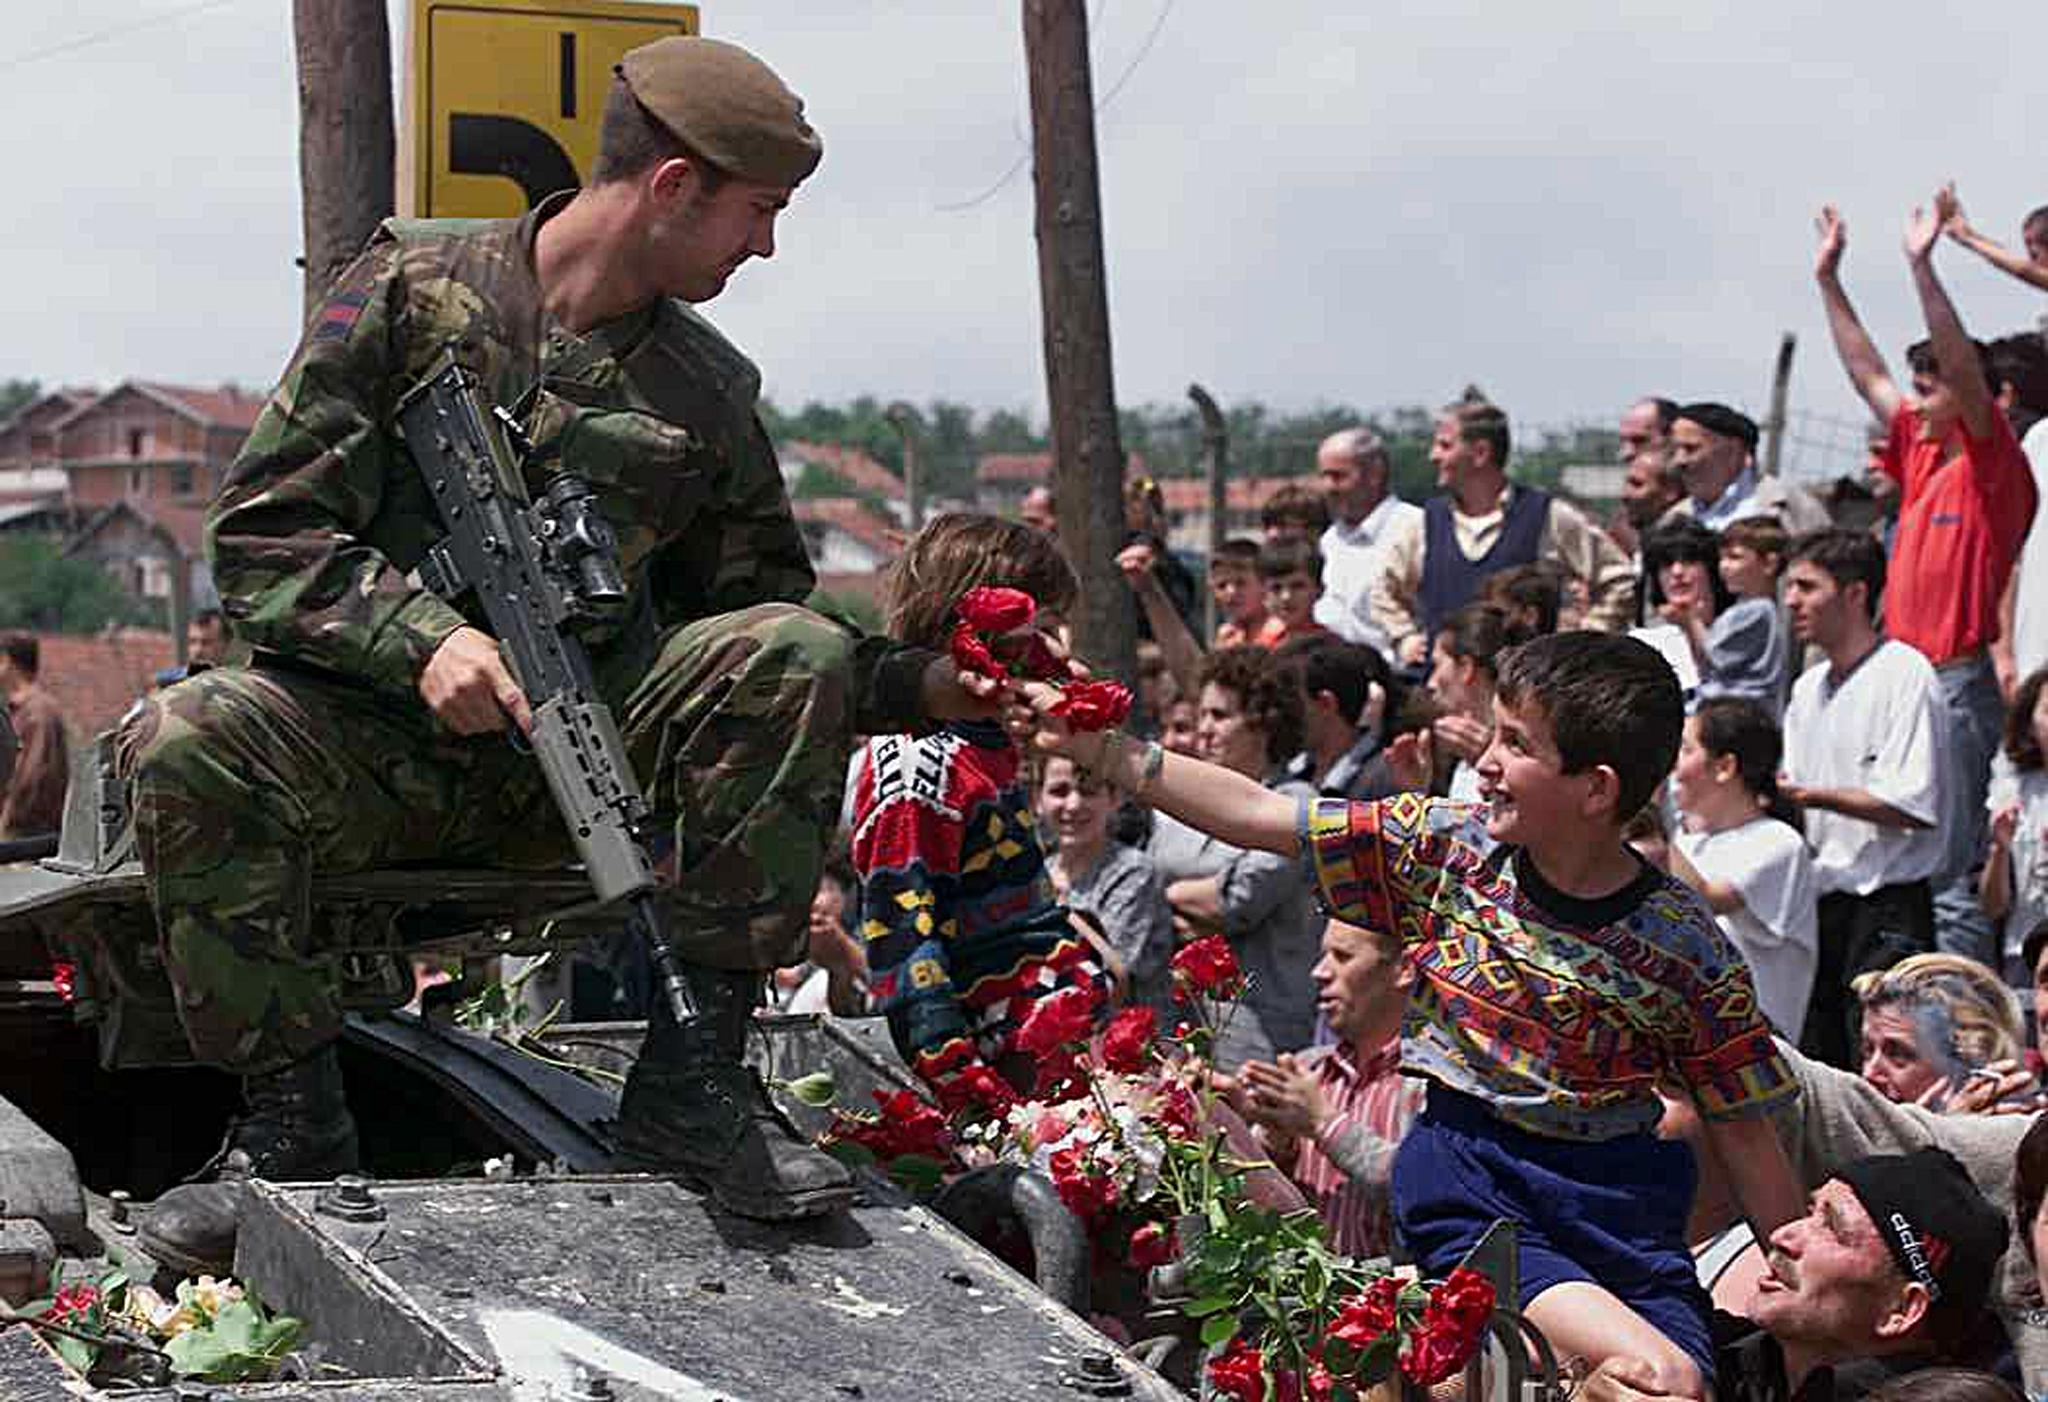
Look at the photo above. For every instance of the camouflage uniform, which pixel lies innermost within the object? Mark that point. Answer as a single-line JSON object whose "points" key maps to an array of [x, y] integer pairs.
{"points": [[736, 704]]}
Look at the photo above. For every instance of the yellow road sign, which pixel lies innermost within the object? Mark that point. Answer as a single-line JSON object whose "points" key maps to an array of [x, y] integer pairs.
{"points": [[503, 97]]}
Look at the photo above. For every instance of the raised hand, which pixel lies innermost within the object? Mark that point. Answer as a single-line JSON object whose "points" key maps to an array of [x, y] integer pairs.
{"points": [[1948, 209], [1834, 238], [1923, 231]]}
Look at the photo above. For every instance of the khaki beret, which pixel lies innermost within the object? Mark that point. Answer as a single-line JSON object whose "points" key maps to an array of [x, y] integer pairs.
{"points": [[726, 105]]}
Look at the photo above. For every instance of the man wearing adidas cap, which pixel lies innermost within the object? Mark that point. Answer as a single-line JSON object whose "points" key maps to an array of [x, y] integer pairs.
{"points": [[1893, 1260]]}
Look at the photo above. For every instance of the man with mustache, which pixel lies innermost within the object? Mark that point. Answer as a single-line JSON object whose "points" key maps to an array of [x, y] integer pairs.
{"points": [[1893, 1260]]}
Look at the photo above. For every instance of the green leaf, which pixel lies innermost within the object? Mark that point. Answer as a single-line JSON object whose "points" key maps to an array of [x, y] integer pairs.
{"points": [[1208, 1304], [77, 1352], [817, 1089], [917, 1173], [1217, 1328], [849, 1153]]}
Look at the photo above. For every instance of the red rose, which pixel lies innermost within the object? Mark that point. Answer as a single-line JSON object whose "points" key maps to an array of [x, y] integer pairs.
{"points": [[1363, 1319], [1463, 1303], [1209, 966], [1058, 1078], [1095, 705], [1432, 1355], [909, 1125], [975, 1088], [1127, 1042], [65, 976], [988, 609], [72, 1303], [1089, 1196], [1151, 1245], [1059, 1020], [1239, 1373], [1043, 664], [971, 654], [1179, 1115]]}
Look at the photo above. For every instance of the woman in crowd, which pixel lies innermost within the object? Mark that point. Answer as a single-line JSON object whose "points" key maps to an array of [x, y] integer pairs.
{"points": [[1741, 848], [1933, 1023], [2014, 886], [2029, 1187], [1461, 678], [1116, 884], [1248, 718]]}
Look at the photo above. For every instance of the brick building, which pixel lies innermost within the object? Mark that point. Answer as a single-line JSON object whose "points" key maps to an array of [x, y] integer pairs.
{"points": [[151, 444]]}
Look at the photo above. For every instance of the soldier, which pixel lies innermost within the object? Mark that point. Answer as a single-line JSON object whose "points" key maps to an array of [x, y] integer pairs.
{"points": [[369, 726]]}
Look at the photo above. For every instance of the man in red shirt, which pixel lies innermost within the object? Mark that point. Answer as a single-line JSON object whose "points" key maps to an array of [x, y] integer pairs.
{"points": [[1966, 497]]}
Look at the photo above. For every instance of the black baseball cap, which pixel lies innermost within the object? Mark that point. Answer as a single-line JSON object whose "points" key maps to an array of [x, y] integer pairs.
{"points": [[1938, 1227]]}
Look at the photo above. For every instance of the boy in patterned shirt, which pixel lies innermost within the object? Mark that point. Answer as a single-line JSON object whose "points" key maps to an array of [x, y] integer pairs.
{"points": [[1559, 979]]}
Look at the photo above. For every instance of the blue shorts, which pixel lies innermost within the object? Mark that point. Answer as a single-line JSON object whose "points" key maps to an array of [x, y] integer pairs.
{"points": [[1611, 1212]]}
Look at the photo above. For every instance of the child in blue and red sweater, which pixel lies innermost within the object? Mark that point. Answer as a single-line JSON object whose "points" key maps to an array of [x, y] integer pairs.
{"points": [[956, 909]]}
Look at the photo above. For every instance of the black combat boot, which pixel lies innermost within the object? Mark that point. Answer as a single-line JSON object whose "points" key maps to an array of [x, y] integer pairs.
{"points": [[692, 1107], [298, 1127]]}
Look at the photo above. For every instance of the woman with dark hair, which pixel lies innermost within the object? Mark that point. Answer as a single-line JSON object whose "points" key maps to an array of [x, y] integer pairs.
{"points": [[1461, 679], [2014, 885], [1248, 718], [1741, 848]]}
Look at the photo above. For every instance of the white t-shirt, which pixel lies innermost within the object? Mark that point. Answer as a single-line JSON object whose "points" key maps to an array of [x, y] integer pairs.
{"points": [[1876, 730], [2030, 601], [2029, 846], [1768, 865], [1354, 557]]}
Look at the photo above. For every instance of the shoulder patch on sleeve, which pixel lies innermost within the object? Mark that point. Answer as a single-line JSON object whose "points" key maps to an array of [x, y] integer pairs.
{"points": [[337, 315]]}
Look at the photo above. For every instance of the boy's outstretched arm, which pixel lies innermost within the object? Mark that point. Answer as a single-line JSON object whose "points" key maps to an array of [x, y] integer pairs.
{"points": [[1957, 226], [1962, 369], [1218, 801], [1758, 1171], [1859, 355]]}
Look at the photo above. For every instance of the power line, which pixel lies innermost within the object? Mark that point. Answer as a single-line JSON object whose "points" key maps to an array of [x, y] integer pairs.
{"points": [[1101, 106], [116, 32]]}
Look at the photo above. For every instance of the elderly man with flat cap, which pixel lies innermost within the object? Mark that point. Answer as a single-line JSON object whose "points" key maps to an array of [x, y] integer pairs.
{"points": [[1713, 448], [369, 727]]}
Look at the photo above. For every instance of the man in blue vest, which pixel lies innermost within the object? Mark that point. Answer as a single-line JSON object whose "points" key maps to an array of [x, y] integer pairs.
{"points": [[1482, 524]]}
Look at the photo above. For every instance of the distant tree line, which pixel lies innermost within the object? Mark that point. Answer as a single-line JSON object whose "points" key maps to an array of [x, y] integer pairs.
{"points": [[1263, 442]]}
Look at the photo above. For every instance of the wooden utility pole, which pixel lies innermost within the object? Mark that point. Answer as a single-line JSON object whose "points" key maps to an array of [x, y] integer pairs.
{"points": [[903, 419], [1215, 465], [1073, 290], [346, 141], [1781, 386]]}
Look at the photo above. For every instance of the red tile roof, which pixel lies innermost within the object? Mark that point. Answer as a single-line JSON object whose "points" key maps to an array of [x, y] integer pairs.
{"points": [[1188, 495], [850, 465], [853, 516], [1031, 469], [225, 407], [95, 677]]}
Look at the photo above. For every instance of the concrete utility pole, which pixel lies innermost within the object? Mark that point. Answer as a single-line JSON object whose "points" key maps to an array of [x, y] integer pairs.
{"points": [[903, 419], [1216, 466], [1088, 456], [346, 141], [1781, 386]]}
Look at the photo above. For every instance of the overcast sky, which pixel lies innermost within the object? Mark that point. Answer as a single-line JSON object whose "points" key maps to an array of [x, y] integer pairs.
{"points": [[1304, 202]]}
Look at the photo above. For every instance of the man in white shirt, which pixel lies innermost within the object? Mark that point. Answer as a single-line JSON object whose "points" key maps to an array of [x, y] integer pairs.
{"points": [[1863, 758], [1353, 467]]}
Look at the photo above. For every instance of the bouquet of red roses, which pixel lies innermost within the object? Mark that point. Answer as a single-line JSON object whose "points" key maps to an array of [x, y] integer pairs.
{"points": [[986, 614]]}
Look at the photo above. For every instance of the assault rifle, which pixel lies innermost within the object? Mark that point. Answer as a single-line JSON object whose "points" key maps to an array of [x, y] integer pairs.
{"points": [[541, 572]]}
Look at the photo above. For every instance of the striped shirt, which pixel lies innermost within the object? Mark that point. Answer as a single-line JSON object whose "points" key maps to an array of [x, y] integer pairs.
{"points": [[1348, 1167]]}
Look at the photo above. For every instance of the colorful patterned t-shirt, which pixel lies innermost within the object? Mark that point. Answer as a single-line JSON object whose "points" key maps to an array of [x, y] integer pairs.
{"points": [[1562, 1024]]}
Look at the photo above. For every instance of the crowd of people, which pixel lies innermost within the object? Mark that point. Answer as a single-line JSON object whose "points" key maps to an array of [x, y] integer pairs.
{"points": [[1567, 860]]}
